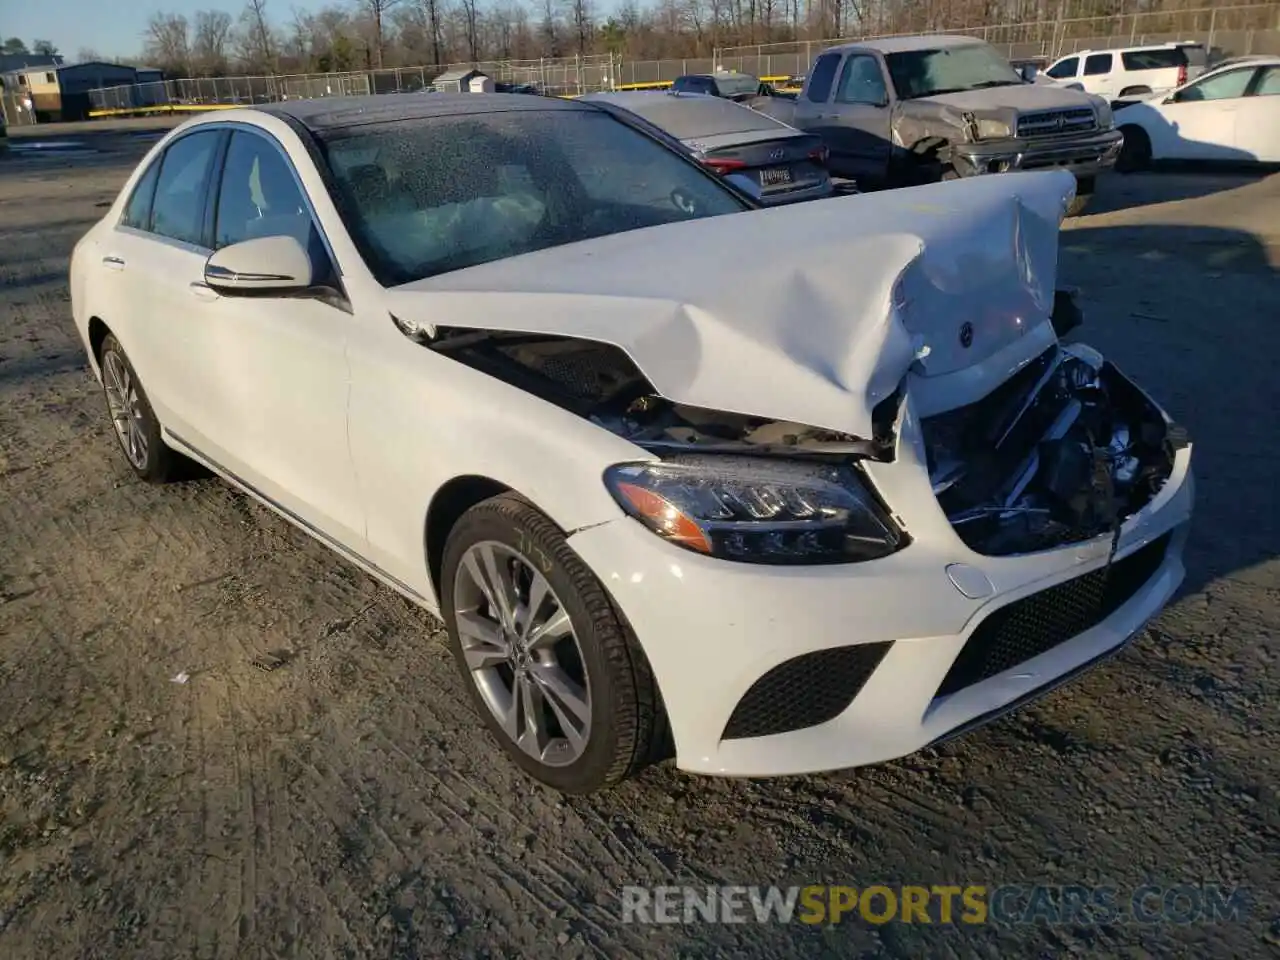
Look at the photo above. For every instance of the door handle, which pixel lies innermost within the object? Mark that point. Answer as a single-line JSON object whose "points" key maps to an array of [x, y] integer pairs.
{"points": [[202, 291], [113, 263]]}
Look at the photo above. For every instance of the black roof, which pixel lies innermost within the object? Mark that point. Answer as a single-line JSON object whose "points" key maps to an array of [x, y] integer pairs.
{"points": [[335, 112]]}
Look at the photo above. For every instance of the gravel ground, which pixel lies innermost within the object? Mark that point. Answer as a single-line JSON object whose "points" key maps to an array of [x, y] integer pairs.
{"points": [[348, 805]]}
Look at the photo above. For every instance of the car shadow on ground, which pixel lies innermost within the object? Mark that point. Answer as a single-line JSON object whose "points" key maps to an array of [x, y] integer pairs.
{"points": [[1170, 184]]}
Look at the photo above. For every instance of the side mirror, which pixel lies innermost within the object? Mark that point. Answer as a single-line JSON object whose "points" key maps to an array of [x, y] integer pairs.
{"points": [[262, 266]]}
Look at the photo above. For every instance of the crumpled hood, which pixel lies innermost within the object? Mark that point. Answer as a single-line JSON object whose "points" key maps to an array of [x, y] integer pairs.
{"points": [[1022, 98], [810, 313]]}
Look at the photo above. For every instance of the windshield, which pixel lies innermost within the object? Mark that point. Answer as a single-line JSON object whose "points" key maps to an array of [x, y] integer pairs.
{"points": [[426, 196], [970, 66]]}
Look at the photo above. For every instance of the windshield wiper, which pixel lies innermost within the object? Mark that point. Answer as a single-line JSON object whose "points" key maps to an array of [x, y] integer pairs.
{"points": [[996, 83]]}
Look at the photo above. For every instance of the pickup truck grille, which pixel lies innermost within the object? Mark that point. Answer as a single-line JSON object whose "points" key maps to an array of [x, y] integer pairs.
{"points": [[1052, 123]]}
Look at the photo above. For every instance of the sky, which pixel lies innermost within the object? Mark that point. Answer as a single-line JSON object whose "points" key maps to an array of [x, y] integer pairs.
{"points": [[113, 28]]}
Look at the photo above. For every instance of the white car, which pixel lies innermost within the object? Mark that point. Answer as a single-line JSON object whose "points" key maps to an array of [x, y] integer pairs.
{"points": [[523, 363], [1129, 71], [1230, 114]]}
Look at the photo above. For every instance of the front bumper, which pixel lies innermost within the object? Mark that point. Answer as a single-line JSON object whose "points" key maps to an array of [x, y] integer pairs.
{"points": [[711, 629], [1085, 156]]}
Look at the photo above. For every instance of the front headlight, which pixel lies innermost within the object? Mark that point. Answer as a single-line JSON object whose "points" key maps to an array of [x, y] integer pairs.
{"points": [[757, 510], [994, 130]]}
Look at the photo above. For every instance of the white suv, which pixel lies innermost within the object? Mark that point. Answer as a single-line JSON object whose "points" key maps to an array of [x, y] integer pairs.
{"points": [[1129, 71]]}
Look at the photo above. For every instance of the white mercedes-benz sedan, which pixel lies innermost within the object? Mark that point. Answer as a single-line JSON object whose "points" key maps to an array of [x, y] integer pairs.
{"points": [[523, 360]]}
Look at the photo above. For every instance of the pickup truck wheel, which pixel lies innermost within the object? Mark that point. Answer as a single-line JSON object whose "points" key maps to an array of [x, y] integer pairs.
{"points": [[1135, 152], [1077, 205], [551, 667]]}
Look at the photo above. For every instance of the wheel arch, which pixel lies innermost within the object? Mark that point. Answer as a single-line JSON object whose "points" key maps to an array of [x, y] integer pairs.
{"points": [[454, 498], [98, 333]]}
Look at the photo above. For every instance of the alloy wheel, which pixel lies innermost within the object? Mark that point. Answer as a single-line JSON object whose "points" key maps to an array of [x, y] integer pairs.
{"points": [[127, 412], [522, 653]]}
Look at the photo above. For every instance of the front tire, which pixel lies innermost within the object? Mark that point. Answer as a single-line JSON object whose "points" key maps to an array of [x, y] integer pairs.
{"points": [[1135, 152], [550, 665], [1084, 193], [136, 426]]}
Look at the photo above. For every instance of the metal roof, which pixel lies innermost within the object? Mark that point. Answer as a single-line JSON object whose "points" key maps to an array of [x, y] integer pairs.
{"points": [[452, 76], [331, 112], [938, 41]]}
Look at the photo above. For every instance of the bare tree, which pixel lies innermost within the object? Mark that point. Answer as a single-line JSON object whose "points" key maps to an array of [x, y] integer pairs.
{"points": [[431, 15], [581, 20], [88, 55], [45, 48], [470, 28], [257, 40], [209, 43], [377, 10], [168, 43], [549, 29]]}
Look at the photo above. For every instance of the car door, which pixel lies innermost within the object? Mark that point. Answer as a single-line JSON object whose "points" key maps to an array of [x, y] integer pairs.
{"points": [[275, 378], [1098, 76], [150, 260], [1200, 118], [811, 109], [860, 117], [1258, 117]]}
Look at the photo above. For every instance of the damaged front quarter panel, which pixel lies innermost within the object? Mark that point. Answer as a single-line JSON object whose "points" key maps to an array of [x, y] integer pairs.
{"points": [[601, 383]]}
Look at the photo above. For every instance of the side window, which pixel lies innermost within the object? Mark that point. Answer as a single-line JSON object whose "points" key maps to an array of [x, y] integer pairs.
{"points": [[1096, 64], [258, 196], [1222, 86], [821, 77], [1064, 68], [178, 209], [1269, 83], [861, 82], [137, 213]]}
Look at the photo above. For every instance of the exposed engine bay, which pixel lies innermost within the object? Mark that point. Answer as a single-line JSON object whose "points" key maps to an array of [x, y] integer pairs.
{"points": [[599, 382], [1061, 452]]}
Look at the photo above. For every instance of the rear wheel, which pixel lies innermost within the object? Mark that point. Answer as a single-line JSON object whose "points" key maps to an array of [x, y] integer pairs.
{"points": [[549, 664], [1134, 91], [135, 423], [1135, 152]]}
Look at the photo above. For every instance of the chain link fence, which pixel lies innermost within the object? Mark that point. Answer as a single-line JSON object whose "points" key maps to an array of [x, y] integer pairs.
{"points": [[1224, 30], [566, 76], [1233, 30]]}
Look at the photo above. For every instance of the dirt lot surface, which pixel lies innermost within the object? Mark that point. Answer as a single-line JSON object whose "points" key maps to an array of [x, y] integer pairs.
{"points": [[347, 804]]}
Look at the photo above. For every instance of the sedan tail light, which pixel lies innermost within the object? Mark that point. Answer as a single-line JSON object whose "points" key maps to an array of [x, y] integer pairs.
{"points": [[820, 155], [723, 165]]}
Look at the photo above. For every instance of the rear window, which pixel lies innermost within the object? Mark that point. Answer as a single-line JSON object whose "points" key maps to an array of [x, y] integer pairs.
{"points": [[737, 86], [686, 117], [693, 85], [1154, 59]]}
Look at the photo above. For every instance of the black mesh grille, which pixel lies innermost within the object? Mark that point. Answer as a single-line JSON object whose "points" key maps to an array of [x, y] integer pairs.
{"points": [[1028, 627], [805, 691]]}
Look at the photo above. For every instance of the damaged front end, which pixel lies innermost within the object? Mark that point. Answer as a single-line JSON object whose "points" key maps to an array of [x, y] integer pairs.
{"points": [[1062, 452], [600, 383]]}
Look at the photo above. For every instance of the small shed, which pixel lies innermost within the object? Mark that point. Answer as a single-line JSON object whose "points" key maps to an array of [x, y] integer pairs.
{"points": [[462, 81]]}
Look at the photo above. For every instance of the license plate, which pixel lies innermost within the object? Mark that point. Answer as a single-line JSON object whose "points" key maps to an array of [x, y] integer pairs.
{"points": [[775, 176]]}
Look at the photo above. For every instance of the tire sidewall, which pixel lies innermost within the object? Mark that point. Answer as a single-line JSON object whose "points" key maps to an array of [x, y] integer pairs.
{"points": [[550, 553], [155, 443]]}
